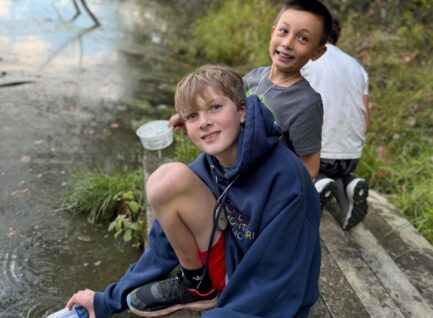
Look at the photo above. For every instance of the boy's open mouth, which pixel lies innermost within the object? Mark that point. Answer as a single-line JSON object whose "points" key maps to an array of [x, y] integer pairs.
{"points": [[210, 136], [284, 55]]}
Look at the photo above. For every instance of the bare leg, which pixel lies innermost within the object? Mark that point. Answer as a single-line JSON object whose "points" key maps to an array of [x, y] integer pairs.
{"points": [[183, 206]]}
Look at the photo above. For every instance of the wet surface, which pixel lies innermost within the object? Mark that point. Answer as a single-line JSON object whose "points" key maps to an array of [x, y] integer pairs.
{"points": [[68, 95]]}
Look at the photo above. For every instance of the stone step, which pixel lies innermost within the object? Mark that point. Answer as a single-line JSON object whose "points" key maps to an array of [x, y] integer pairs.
{"points": [[381, 268]]}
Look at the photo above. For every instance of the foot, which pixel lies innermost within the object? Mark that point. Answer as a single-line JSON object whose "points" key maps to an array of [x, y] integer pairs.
{"points": [[327, 189], [167, 296], [357, 193]]}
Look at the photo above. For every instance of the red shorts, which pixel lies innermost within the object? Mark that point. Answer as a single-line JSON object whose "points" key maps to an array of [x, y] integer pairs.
{"points": [[217, 264]]}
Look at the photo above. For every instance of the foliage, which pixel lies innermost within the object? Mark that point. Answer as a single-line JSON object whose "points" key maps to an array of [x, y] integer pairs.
{"points": [[118, 198], [185, 151], [248, 26], [130, 220], [397, 159]]}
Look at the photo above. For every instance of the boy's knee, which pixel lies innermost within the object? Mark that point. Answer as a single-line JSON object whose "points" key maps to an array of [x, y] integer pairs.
{"points": [[167, 181]]}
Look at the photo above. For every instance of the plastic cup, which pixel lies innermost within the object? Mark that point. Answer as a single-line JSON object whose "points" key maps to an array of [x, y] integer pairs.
{"points": [[76, 312], [155, 135]]}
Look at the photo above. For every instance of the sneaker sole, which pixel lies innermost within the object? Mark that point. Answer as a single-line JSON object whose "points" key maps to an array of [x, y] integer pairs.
{"points": [[330, 201], [195, 306], [358, 206], [327, 190]]}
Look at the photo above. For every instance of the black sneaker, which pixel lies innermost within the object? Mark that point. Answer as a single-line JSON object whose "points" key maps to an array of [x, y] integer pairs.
{"points": [[166, 296], [357, 193], [328, 195]]}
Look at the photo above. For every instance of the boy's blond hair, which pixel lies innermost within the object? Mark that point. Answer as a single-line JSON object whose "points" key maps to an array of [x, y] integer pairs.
{"points": [[220, 78]]}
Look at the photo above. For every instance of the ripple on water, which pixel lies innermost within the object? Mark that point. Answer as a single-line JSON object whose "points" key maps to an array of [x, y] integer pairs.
{"points": [[10, 276], [45, 307], [22, 274], [42, 309]]}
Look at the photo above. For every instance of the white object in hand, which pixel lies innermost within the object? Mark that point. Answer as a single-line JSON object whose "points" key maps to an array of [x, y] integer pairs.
{"points": [[155, 135]]}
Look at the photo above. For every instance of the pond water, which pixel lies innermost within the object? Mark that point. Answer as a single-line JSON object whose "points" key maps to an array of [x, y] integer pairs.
{"points": [[68, 95]]}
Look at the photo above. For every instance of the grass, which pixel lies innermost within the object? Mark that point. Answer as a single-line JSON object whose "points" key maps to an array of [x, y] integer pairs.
{"points": [[398, 157], [93, 193], [117, 198]]}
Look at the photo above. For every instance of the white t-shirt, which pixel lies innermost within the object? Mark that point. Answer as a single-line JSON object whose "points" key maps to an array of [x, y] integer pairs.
{"points": [[342, 82]]}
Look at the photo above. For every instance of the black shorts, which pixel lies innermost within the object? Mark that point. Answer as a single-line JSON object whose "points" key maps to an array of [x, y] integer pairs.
{"points": [[336, 168]]}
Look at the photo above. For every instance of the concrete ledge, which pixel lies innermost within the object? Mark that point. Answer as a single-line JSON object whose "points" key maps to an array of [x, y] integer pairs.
{"points": [[381, 268]]}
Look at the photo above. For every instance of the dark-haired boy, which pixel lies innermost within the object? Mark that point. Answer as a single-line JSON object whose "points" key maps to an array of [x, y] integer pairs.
{"points": [[300, 33]]}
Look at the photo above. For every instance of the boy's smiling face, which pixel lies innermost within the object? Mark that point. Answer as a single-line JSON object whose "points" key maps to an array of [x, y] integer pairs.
{"points": [[214, 125], [295, 40]]}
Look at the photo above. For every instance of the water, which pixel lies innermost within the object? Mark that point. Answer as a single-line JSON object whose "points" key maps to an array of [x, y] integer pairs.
{"points": [[68, 95]]}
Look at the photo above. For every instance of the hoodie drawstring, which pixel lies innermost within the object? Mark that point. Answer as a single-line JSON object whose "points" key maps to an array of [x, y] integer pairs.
{"points": [[219, 208]]}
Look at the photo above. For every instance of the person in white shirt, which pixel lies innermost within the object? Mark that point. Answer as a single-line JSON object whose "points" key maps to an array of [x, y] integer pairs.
{"points": [[343, 85]]}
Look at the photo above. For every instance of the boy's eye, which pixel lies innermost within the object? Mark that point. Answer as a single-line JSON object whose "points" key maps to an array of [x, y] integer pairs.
{"points": [[215, 107], [190, 117], [283, 31], [304, 39]]}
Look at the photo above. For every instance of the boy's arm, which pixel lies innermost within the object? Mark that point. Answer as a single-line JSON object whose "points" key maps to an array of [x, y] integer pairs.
{"points": [[306, 136], [279, 273], [154, 264], [312, 163]]}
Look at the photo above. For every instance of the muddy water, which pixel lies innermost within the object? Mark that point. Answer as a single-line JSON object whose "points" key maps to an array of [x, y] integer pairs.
{"points": [[68, 94]]}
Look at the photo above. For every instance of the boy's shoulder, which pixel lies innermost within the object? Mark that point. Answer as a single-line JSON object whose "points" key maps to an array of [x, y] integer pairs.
{"points": [[300, 95], [258, 72]]}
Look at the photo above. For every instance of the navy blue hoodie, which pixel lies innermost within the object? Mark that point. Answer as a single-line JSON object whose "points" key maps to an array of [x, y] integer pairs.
{"points": [[272, 247]]}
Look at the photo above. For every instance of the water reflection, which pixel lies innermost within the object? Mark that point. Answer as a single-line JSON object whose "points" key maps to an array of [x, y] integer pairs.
{"points": [[74, 112]]}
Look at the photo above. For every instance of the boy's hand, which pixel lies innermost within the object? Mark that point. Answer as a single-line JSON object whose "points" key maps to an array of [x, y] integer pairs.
{"points": [[83, 298], [176, 122]]}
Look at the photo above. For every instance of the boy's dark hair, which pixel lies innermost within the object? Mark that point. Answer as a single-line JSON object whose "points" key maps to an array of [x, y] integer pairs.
{"points": [[335, 32], [315, 7], [220, 78]]}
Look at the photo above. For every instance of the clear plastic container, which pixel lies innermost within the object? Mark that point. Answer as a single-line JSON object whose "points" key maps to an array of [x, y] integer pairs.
{"points": [[155, 135], [76, 312]]}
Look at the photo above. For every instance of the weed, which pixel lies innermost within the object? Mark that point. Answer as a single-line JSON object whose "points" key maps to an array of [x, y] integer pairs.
{"points": [[118, 197]]}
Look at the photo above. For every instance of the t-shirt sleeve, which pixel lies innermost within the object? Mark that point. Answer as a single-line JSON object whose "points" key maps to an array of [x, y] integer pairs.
{"points": [[306, 130]]}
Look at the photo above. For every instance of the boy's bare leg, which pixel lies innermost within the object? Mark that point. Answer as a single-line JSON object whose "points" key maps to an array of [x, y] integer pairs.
{"points": [[184, 208]]}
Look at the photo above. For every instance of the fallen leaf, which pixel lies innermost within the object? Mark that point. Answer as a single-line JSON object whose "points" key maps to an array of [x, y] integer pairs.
{"points": [[20, 193], [25, 159], [409, 57], [411, 121], [12, 232], [381, 174], [84, 238]]}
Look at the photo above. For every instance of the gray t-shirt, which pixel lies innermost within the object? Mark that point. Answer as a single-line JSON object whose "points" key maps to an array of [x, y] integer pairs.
{"points": [[297, 109]]}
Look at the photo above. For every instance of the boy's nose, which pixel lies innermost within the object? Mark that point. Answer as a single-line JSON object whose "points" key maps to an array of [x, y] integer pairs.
{"points": [[205, 121], [287, 42]]}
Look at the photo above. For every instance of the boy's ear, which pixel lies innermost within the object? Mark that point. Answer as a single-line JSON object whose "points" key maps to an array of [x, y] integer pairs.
{"points": [[243, 112], [319, 52]]}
